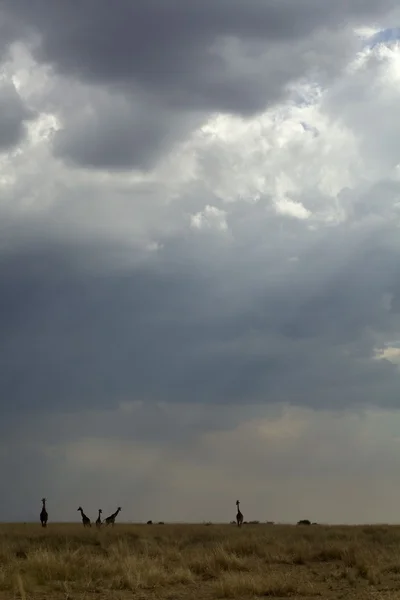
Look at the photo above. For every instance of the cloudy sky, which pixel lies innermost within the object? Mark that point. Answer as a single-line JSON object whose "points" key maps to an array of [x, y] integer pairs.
{"points": [[200, 259]]}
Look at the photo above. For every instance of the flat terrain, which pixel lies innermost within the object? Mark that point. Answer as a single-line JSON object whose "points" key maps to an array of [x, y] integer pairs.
{"points": [[200, 562]]}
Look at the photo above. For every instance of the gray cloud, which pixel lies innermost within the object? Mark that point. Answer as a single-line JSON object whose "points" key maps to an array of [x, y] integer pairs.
{"points": [[77, 334], [158, 43], [13, 116], [176, 62], [120, 133]]}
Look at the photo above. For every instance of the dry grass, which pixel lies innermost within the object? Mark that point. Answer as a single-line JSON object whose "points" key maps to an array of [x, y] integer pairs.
{"points": [[178, 562]]}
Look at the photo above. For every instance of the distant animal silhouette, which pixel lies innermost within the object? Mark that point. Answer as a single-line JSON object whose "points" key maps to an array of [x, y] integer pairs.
{"points": [[304, 522], [98, 520], [111, 519], [85, 520], [239, 516], [43, 514]]}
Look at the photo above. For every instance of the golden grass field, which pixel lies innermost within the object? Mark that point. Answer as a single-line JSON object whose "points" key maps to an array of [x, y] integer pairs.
{"points": [[179, 562]]}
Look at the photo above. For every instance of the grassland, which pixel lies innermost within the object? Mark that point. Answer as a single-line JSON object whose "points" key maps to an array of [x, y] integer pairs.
{"points": [[178, 562]]}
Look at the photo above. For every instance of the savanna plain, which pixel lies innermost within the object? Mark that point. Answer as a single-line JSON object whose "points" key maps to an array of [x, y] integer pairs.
{"points": [[69, 562]]}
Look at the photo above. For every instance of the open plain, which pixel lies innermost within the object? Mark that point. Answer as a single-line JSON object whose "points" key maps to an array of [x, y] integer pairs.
{"points": [[178, 562]]}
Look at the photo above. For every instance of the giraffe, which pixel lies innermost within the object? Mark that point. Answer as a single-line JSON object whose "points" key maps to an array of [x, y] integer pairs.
{"points": [[239, 516], [85, 520], [98, 521], [43, 514], [111, 519]]}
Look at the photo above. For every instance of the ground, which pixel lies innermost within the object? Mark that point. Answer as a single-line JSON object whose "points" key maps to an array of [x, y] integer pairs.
{"points": [[179, 562]]}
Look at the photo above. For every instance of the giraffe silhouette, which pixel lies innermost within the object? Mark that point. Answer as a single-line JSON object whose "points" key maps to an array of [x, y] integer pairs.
{"points": [[239, 516], [85, 520], [44, 514], [98, 520], [111, 519]]}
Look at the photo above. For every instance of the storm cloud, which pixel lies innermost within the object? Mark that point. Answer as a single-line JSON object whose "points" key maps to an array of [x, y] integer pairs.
{"points": [[13, 116], [154, 69], [167, 330], [199, 258]]}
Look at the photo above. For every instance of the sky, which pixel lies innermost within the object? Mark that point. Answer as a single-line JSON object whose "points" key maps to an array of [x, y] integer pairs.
{"points": [[200, 259]]}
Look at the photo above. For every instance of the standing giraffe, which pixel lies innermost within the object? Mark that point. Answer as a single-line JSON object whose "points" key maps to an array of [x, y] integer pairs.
{"points": [[111, 518], [98, 521], [239, 516], [85, 520], [43, 514]]}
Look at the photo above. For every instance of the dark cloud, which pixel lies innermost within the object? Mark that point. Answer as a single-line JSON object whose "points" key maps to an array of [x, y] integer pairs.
{"points": [[174, 62], [119, 134], [11, 28], [189, 331], [160, 43], [13, 115]]}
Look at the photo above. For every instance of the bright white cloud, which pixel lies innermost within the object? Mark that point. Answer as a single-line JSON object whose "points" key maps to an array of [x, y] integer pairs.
{"points": [[212, 217]]}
